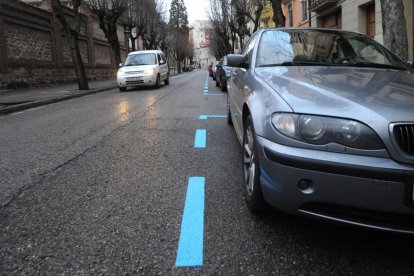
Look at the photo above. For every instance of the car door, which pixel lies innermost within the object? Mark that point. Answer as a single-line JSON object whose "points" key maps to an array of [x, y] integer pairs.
{"points": [[163, 66], [238, 90]]}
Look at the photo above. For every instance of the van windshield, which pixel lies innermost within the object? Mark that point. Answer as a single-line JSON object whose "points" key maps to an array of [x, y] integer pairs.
{"points": [[141, 59]]}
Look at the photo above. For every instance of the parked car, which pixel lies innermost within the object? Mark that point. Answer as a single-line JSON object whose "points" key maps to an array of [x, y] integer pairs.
{"points": [[210, 69], [214, 68], [188, 68], [222, 74], [326, 123], [143, 68]]}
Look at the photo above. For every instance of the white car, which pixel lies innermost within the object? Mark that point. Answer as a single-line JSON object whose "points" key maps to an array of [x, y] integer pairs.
{"points": [[143, 68]]}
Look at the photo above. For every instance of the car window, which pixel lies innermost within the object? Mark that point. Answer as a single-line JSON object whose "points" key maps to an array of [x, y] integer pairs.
{"points": [[141, 59], [248, 49], [277, 47], [224, 61]]}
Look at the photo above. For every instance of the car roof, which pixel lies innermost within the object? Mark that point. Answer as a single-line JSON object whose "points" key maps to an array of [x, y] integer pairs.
{"points": [[327, 30], [145, 52]]}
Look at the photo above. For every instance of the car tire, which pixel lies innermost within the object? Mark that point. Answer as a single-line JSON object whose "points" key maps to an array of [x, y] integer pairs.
{"points": [[229, 120], [251, 170], [157, 83], [223, 87], [217, 83], [167, 81], [122, 89]]}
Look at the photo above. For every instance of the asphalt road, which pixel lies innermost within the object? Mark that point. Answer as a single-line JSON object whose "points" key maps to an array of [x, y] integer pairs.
{"points": [[97, 185]]}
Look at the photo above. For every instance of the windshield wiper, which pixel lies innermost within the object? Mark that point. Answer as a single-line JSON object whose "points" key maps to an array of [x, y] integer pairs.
{"points": [[374, 65]]}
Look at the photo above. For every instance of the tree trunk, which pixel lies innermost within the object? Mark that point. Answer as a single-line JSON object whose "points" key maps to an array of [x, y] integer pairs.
{"points": [[72, 39], [78, 64], [178, 67], [278, 16], [394, 27]]}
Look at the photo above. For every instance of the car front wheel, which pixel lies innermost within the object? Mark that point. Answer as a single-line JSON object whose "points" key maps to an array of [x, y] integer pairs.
{"points": [[251, 169], [158, 84]]}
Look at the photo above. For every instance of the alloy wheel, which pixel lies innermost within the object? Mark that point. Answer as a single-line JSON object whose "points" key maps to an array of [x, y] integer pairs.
{"points": [[249, 161]]}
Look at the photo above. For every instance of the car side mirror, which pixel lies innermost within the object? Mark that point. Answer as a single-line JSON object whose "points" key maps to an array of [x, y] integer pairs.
{"points": [[162, 61], [411, 63], [234, 60], [120, 65]]}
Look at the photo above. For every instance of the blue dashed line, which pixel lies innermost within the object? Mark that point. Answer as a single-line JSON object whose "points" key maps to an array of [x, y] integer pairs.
{"points": [[205, 117], [200, 139], [190, 246]]}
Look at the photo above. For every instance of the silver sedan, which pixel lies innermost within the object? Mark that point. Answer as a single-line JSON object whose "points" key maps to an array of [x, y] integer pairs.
{"points": [[326, 122]]}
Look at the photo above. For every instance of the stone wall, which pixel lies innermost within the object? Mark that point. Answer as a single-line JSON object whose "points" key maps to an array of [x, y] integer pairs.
{"points": [[34, 49]]}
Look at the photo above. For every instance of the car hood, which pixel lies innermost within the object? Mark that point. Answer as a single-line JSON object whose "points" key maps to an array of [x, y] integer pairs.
{"points": [[136, 68], [362, 93]]}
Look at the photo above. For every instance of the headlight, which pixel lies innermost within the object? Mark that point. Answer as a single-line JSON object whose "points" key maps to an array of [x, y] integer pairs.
{"points": [[149, 71], [319, 130], [120, 73], [228, 74]]}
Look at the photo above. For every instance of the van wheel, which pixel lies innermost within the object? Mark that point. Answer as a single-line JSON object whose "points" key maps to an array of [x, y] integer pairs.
{"points": [[122, 89], [157, 83], [167, 81]]}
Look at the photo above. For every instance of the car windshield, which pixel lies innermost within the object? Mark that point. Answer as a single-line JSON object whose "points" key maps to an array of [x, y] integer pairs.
{"points": [[141, 59], [316, 47]]}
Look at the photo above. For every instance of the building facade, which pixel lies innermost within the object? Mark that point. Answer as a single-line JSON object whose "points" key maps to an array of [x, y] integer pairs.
{"points": [[200, 36], [363, 16]]}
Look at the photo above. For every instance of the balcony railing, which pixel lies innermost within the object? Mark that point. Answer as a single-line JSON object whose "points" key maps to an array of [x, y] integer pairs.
{"points": [[320, 5]]}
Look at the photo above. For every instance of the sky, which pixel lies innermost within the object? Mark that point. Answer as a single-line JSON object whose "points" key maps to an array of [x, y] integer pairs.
{"points": [[196, 9]]}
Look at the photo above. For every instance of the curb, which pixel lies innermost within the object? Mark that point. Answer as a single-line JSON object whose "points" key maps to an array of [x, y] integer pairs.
{"points": [[24, 106]]}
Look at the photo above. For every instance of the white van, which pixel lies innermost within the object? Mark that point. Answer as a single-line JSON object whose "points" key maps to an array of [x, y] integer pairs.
{"points": [[143, 68]]}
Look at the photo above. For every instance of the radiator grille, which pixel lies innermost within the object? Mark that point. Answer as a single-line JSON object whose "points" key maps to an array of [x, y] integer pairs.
{"points": [[404, 138]]}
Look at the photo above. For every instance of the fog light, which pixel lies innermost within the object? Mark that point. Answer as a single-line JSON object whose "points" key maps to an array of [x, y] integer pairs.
{"points": [[306, 186]]}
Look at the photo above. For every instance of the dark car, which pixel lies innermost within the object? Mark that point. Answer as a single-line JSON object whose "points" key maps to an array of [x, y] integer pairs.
{"points": [[214, 68], [210, 69], [326, 123], [223, 72]]}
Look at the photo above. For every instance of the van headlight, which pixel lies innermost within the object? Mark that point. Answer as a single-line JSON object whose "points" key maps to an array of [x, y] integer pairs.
{"points": [[320, 130], [121, 73], [149, 71]]}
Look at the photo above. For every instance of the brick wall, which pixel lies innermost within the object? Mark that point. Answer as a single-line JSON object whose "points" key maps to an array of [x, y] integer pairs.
{"points": [[34, 50]]}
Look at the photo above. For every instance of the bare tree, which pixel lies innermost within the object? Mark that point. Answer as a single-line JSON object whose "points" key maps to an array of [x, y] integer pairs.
{"points": [[109, 12], [394, 26], [72, 30], [223, 39]]}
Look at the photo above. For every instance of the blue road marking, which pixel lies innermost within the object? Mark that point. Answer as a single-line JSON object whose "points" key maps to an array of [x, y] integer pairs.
{"points": [[208, 94], [190, 246], [205, 117], [200, 138]]}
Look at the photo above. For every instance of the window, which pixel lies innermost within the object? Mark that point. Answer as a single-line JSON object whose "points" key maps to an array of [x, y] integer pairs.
{"points": [[248, 49], [304, 10], [290, 15]]}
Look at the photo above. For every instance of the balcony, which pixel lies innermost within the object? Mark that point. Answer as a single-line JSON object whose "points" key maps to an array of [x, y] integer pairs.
{"points": [[320, 5]]}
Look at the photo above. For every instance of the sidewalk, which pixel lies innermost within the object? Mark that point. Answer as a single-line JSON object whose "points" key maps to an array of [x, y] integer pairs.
{"points": [[20, 99]]}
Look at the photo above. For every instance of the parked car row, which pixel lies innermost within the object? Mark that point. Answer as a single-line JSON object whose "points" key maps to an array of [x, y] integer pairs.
{"points": [[220, 72]]}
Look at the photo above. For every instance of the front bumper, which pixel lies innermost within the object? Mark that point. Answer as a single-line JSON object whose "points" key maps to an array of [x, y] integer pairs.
{"points": [[136, 80], [366, 191]]}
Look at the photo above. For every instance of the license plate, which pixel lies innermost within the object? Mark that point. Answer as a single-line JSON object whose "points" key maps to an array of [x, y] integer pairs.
{"points": [[134, 79]]}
